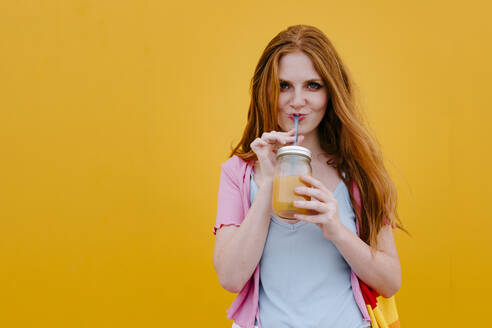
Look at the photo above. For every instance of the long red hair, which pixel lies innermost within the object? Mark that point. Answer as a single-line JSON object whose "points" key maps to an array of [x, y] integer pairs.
{"points": [[342, 132]]}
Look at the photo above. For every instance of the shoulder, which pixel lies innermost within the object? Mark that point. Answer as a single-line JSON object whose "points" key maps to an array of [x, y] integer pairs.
{"points": [[235, 169], [234, 164]]}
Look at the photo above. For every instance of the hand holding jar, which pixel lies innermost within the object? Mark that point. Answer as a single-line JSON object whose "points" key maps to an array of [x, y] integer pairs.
{"points": [[266, 148], [323, 205], [297, 195]]}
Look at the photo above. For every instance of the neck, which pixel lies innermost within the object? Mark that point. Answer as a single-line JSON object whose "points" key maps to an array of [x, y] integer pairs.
{"points": [[311, 142]]}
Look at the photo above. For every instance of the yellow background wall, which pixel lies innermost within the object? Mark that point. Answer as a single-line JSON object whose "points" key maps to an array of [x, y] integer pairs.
{"points": [[116, 115]]}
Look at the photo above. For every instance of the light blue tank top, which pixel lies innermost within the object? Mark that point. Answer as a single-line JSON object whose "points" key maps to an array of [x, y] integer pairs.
{"points": [[304, 280]]}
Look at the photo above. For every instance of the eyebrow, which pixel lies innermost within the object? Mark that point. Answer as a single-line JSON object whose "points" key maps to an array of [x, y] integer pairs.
{"points": [[311, 80]]}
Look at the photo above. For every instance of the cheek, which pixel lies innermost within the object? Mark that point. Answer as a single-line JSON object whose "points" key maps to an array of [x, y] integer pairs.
{"points": [[282, 101], [282, 118], [320, 101]]}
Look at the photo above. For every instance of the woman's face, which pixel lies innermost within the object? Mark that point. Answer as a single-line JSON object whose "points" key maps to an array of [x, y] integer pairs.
{"points": [[302, 91]]}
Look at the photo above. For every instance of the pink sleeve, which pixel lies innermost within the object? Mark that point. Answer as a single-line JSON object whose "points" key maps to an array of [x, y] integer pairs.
{"points": [[229, 204]]}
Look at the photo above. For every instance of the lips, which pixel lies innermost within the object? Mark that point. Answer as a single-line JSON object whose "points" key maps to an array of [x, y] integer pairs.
{"points": [[301, 117]]}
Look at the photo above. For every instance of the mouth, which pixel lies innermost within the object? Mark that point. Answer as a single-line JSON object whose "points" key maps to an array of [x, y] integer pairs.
{"points": [[301, 117]]}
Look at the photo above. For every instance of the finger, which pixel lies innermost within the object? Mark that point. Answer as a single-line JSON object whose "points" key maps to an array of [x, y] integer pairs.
{"points": [[257, 145], [311, 205], [288, 139], [258, 141], [315, 183], [307, 218], [312, 218], [312, 192], [291, 139], [270, 137], [263, 143], [277, 138], [291, 131]]}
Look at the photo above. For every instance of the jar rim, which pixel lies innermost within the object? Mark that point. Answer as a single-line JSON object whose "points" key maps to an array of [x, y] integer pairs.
{"points": [[294, 150]]}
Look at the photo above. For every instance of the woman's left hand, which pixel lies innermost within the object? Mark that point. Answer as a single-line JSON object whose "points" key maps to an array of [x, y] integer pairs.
{"points": [[323, 205]]}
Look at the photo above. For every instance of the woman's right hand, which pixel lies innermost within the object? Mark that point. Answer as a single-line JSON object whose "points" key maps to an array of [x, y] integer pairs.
{"points": [[266, 148]]}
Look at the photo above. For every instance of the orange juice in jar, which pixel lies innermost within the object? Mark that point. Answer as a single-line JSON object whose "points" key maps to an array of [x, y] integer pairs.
{"points": [[292, 163]]}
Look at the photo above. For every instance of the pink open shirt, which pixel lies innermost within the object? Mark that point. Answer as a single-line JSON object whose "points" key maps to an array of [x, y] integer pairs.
{"points": [[233, 205]]}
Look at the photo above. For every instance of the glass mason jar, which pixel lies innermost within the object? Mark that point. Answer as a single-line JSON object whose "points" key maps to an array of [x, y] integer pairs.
{"points": [[292, 163]]}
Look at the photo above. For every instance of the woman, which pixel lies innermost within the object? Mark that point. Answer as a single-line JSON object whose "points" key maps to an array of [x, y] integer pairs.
{"points": [[308, 265]]}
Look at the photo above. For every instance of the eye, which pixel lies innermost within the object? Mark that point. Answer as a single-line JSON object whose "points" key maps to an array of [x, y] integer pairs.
{"points": [[315, 85], [283, 85]]}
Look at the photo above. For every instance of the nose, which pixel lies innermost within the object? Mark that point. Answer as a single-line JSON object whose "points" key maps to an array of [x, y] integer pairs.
{"points": [[298, 100]]}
